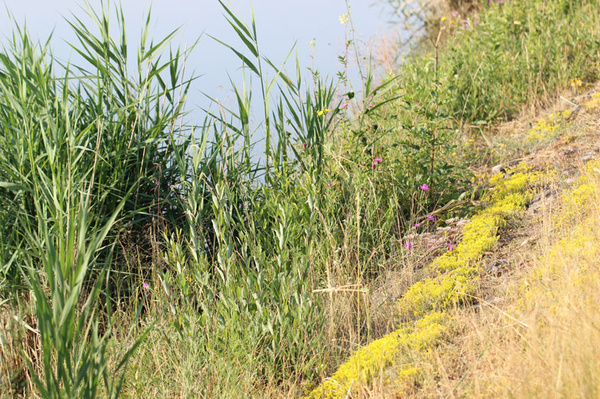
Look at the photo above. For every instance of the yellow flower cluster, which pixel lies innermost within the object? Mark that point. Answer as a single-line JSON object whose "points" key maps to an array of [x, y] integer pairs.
{"points": [[458, 280], [543, 128], [344, 18], [579, 244], [578, 247], [576, 83], [366, 363], [593, 102], [439, 293], [584, 192]]}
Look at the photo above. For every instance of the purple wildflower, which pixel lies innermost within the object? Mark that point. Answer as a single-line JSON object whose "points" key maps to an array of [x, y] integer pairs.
{"points": [[431, 218], [424, 187], [454, 13], [145, 285], [450, 246], [376, 160], [408, 245], [417, 225]]}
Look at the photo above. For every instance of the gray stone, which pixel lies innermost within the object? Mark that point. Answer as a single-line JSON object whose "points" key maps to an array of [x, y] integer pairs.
{"points": [[587, 157], [541, 199], [568, 151], [498, 169], [496, 267]]}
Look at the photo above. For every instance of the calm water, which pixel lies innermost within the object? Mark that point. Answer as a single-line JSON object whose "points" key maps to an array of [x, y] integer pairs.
{"points": [[281, 23]]}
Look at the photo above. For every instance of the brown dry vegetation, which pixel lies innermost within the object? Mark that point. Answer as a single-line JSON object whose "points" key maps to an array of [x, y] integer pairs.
{"points": [[534, 328]]}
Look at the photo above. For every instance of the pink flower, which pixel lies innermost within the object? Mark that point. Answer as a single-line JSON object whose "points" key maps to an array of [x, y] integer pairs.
{"points": [[364, 163], [430, 218], [145, 285], [343, 105], [424, 187], [417, 225], [377, 160], [374, 165], [450, 246], [304, 145], [454, 13], [330, 184], [408, 245], [370, 106]]}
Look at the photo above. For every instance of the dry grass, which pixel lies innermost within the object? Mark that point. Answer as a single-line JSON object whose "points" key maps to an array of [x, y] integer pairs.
{"points": [[535, 331], [18, 345]]}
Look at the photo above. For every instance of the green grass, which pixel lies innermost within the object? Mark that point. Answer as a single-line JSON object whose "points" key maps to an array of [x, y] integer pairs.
{"points": [[511, 54]]}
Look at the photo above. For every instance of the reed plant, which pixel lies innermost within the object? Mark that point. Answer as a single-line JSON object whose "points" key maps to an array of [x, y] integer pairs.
{"points": [[83, 154]]}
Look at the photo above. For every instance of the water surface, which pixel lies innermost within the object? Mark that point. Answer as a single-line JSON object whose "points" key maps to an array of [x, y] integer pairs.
{"points": [[281, 24]]}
